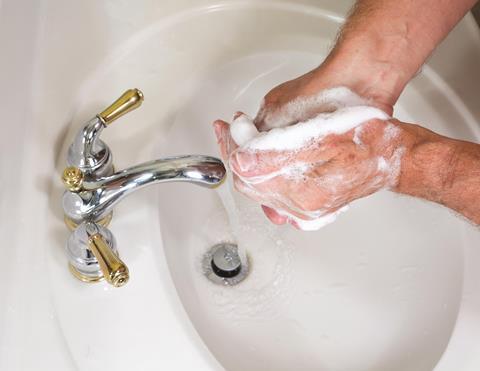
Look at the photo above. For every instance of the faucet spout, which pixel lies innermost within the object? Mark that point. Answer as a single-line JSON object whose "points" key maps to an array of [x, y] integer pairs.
{"points": [[96, 198]]}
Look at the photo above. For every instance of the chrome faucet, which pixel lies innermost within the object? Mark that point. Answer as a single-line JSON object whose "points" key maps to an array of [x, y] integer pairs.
{"points": [[93, 189], [94, 199]]}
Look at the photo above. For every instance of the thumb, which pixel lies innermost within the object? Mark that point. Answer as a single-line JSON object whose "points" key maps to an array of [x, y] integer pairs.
{"points": [[248, 163], [224, 139]]}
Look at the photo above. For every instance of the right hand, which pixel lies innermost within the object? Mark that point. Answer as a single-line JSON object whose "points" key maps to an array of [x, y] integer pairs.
{"points": [[340, 170], [366, 79], [341, 68]]}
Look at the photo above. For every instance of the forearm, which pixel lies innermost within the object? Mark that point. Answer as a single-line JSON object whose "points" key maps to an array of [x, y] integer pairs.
{"points": [[384, 43], [379, 49], [442, 170]]}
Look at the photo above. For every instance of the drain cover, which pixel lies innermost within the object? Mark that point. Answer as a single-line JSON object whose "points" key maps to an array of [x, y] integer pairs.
{"points": [[222, 264]]}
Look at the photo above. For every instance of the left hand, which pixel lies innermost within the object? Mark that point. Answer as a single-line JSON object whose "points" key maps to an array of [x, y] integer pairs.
{"points": [[324, 176]]}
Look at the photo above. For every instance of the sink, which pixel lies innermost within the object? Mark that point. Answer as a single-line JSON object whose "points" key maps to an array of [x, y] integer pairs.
{"points": [[392, 285], [383, 284]]}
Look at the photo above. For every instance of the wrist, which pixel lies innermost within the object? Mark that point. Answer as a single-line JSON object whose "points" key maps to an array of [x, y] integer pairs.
{"points": [[375, 63], [429, 165], [355, 63], [441, 170]]}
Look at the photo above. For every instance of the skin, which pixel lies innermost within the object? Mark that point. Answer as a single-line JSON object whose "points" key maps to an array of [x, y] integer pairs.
{"points": [[382, 45]]}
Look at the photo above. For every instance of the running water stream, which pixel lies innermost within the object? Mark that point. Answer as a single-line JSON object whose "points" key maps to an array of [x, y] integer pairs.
{"points": [[225, 193]]}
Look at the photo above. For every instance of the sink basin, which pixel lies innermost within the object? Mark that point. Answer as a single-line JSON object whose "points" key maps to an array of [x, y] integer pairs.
{"points": [[383, 284], [392, 285]]}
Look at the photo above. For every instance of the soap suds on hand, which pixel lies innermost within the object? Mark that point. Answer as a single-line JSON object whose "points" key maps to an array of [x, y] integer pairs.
{"points": [[313, 224], [293, 171], [303, 108], [303, 133], [391, 131], [242, 130], [356, 135], [346, 111]]}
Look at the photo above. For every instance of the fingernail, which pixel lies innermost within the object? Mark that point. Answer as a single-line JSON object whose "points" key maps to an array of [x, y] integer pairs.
{"points": [[245, 161]]}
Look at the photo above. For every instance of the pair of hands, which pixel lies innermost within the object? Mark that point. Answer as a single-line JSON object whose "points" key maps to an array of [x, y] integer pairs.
{"points": [[379, 49], [342, 167]]}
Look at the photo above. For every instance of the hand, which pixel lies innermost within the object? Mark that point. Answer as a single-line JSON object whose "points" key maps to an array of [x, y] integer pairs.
{"points": [[324, 176], [367, 79], [279, 109], [381, 46], [376, 81]]}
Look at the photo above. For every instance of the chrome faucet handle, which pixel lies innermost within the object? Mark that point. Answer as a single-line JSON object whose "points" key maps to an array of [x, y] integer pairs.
{"points": [[90, 154], [93, 255]]}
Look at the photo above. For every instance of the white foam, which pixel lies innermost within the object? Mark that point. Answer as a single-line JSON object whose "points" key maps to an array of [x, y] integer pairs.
{"points": [[391, 132], [293, 171], [303, 133], [395, 165], [356, 135], [314, 224], [303, 108], [242, 130], [382, 164]]}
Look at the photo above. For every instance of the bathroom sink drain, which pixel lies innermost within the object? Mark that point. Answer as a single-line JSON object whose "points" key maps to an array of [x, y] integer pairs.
{"points": [[222, 265]]}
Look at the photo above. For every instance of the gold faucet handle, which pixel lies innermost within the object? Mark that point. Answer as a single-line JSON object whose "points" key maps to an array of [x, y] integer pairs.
{"points": [[72, 178], [113, 268], [129, 100]]}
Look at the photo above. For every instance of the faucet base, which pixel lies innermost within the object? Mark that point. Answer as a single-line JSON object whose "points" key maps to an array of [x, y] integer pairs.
{"points": [[72, 225], [93, 256], [83, 277]]}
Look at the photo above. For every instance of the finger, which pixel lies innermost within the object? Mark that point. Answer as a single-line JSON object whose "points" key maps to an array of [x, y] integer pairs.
{"points": [[276, 205], [274, 217], [294, 224], [224, 139], [262, 196], [238, 114], [221, 132], [251, 163], [251, 191], [260, 119], [218, 127]]}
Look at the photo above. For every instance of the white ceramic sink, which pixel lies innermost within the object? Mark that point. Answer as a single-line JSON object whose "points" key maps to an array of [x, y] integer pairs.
{"points": [[392, 285]]}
